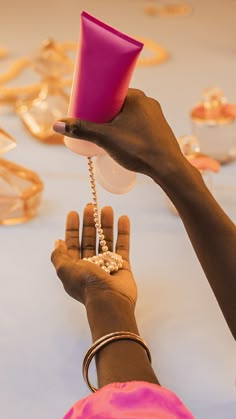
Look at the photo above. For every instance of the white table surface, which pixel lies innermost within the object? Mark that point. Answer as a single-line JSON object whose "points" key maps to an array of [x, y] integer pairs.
{"points": [[44, 333]]}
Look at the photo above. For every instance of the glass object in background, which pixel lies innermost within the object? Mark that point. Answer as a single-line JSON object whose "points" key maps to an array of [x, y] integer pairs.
{"points": [[20, 188], [39, 114], [206, 165], [214, 125]]}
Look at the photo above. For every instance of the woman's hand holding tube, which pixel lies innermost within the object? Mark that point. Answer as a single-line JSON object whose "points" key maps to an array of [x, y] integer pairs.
{"points": [[138, 138]]}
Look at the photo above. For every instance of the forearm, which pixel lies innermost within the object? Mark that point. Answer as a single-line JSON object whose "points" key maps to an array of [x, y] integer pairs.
{"points": [[212, 234], [119, 361]]}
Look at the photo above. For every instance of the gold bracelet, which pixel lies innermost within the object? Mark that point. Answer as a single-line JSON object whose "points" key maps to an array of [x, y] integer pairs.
{"points": [[105, 340]]}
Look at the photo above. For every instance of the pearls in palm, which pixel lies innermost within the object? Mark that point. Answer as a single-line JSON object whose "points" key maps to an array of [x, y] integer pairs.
{"points": [[108, 261]]}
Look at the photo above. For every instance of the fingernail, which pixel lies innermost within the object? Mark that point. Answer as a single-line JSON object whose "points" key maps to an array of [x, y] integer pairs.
{"points": [[59, 126]]}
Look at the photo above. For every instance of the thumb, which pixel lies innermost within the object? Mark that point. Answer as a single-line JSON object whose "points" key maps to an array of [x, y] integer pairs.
{"points": [[59, 256], [84, 130]]}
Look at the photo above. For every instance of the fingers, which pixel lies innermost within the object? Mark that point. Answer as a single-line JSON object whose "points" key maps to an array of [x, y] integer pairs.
{"points": [[107, 220], [123, 237], [88, 242], [72, 235], [70, 248]]}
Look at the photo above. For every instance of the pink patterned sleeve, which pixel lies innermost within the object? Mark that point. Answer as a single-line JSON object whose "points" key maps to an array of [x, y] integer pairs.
{"points": [[131, 400]]}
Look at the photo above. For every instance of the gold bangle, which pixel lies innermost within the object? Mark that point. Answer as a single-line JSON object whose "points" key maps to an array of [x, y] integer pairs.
{"points": [[105, 340]]}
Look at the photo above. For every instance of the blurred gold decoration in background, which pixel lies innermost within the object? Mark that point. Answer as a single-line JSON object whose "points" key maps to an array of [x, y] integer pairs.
{"points": [[20, 188], [51, 51], [51, 103], [159, 54], [150, 9], [41, 103], [15, 69], [3, 52], [58, 55], [167, 9]]}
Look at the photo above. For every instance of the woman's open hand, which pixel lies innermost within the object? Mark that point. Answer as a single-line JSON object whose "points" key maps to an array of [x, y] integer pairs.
{"points": [[84, 280]]}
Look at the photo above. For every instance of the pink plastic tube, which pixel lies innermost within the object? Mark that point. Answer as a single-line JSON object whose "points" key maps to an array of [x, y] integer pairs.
{"points": [[104, 66]]}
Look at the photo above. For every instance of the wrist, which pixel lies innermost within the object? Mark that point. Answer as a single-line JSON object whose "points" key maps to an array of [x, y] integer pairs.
{"points": [[172, 170], [178, 178], [108, 313], [123, 360]]}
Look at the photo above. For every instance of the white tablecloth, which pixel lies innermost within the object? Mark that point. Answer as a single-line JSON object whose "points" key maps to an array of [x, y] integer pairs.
{"points": [[44, 333]]}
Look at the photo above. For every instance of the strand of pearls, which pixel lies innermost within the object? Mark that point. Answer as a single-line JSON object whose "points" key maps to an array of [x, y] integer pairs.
{"points": [[108, 261]]}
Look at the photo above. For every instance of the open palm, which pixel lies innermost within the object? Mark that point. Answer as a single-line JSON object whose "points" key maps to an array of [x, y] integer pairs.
{"points": [[84, 280]]}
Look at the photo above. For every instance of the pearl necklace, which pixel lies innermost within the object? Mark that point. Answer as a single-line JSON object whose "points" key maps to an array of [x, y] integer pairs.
{"points": [[108, 261]]}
